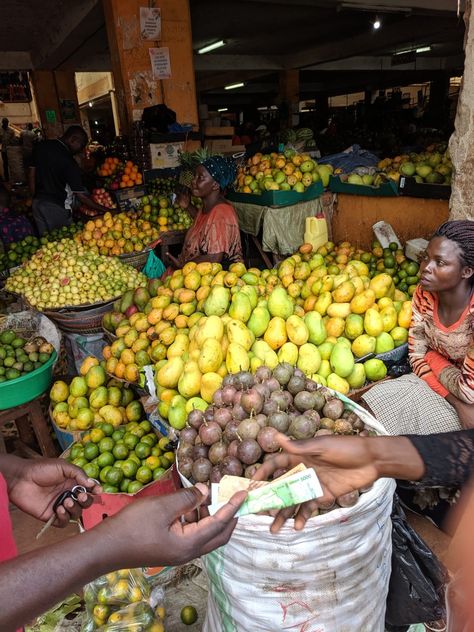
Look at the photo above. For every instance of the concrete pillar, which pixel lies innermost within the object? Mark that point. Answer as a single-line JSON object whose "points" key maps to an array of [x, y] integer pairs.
{"points": [[134, 83], [461, 204], [56, 100], [290, 92]]}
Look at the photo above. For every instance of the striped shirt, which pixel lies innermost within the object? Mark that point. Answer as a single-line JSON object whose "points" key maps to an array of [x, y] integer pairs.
{"points": [[442, 356]]}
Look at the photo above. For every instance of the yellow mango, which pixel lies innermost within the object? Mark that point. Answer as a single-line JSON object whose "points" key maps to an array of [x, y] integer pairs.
{"points": [[189, 384], [323, 302], [296, 330], [344, 292], [362, 302], [211, 356], [179, 346], [381, 285], [309, 358], [264, 352], [236, 358], [288, 353], [363, 345], [405, 315], [338, 384], [275, 336], [339, 310], [238, 332], [210, 327], [389, 318], [169, 374], [335, 326], [373, 323]]}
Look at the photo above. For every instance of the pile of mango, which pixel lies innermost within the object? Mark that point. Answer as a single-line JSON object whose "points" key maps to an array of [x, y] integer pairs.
{"points": [[432, 166], [91, 399], [205, 322]]}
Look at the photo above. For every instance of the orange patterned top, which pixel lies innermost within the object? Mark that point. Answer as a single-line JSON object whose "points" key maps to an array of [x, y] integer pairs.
{"points": [[213, 233], [442, 356]]}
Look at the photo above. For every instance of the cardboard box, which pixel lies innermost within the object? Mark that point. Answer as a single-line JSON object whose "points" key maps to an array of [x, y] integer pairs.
{"points": [[165, 155], [278, 198], [219, 131]]}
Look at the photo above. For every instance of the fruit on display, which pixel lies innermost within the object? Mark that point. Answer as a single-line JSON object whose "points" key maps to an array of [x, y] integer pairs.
{"points": [[119, 175], [122, 601], [392, 261], [303, 135], [19, 356], [103, 197], [289, 171], [66, 273], [433, 166], [161, 187], [123, 459], [119, 234], [366, 176], [91, 398], [188, 615], [238, 429], [160, 210], [20, 251], [203, 323]]}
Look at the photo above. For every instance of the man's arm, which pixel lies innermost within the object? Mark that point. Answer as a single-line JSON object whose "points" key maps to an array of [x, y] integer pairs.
{"points": [[87, 201], [69, 565]]}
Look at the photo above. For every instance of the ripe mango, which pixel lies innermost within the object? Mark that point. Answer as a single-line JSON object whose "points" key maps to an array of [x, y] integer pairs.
{"points": [[363, 345], [405, 315], [99, 397], [238, 332], [280, 304], [399, 336], [288, 353], [382, 285], [338, 383], [335, 326], [362, 302], [210, 327], [252, 293], [309, 359], [373, 323], [296, 330], [341, 360], [111, 415], [179, 347], [383, 343], [210, 356], [195, 403], [240, 307], [236, 359], [189, 384], [357, 377], [324, 369], [323, 302], [325, 349], [258, 321], [177, 412], [169, 374], [275, 336], [316, 329], [95, 377], [354, 326], [339, 310], [375, 369], [389, 318], [344, 292], [87, 363], [217, 303], [264, 352]]}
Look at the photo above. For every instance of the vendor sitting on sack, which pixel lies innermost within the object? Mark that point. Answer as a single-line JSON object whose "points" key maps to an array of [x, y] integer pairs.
{"points": [[214, 235]]}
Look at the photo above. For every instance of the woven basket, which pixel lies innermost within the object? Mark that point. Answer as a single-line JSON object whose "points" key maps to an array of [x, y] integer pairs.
{"points": [[136, 259], [83, 320], [108, 335]]}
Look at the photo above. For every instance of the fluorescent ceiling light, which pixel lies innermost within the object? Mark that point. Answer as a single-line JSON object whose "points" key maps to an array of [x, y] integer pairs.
{"points": [[232, 86], [422, 49], [222, 109], [90, 104], [209, 47]]}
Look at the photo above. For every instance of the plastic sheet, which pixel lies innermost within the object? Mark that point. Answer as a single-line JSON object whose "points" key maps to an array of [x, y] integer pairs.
{"points": [[350, 159]]}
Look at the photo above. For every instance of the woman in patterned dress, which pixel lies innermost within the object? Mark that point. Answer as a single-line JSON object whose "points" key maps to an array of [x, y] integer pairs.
{"points": [[439, 395], [214, 235]]}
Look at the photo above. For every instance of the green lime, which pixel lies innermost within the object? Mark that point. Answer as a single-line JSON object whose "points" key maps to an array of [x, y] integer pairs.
{"points": [[129, 468], [389, 262], [106, 458], [165, 463], [145, 425], [411, 280], [117, 435], [133, 457], [77, 450], [155, 451], [114, 476], [103, 473], [130, 440], [106, 444], [111, 489], [144, 474], [108, 429], [149, 439], [138, 432], [80, 461], [393, 245], [91, 451], [92, 470], [142, 450], [189, 615], [134, 487], [125, 484], [158, 473], [120, 451]]}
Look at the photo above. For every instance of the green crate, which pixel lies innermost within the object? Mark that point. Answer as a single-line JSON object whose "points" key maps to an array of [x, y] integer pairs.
{"points": [[27, 387], [387, 189], [278, 198]]}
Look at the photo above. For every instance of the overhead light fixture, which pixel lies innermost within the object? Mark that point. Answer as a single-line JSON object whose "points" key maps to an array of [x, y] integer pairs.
{"points": [[91, 104], [222, 109], [232, 86], [209, 47], [374, 8], [96, 122], [421, 49], [377, 23]]}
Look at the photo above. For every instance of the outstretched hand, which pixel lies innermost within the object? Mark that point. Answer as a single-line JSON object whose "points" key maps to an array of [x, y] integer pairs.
{"points": [[38, 482]]}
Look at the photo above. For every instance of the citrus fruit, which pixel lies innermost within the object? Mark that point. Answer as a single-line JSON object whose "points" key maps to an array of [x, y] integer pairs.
{"points": [[164, 443], [92, 470], [114, 476], [130, 440], [103, 473], [149, 439], [107, 429], [97, 434], [91, 451], [104, 459], [120, 451], [129, 468], [142, 450], [144, 474], [110, 489], [134, 487], [145, 425], [106, 444], [152, 462], [124, 485], [189, 615], [158, 473]]}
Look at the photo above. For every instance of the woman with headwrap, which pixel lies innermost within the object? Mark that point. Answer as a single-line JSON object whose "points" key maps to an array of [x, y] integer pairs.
{"points": [[214, 235]]}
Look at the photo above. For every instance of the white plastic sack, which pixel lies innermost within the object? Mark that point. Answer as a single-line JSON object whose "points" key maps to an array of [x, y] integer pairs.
{"points": [[331, 577]]}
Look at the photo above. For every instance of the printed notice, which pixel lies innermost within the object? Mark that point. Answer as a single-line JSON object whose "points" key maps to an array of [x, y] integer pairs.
{"points": [[160, 62], [150, 24]]}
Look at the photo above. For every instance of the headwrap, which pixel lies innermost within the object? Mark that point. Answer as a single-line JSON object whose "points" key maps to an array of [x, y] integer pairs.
{"points": [[223, 170]]}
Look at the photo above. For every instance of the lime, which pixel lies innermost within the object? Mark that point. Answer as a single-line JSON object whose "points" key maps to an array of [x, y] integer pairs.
{"points": [[129, 468], [106, 444], [142, 450], [164, 443], [103, 473], [145, 425], [133, 457], [77, 450], [97, 434], [80, 461], [111, 489], [91, 451], [155, 451], [144, 474], [107, 428], [120, 451], [117, 435], [92, 470], [158, 473], [134, 487], [393, 245], [152, 462], [189, 615], [170, 456], [138, 432], [130, 440], [412, 268], [165, 463], [114, 476], [106, 458], [124, 485], [149, 439]]}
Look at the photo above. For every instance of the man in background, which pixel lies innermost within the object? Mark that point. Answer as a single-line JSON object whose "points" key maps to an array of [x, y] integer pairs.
{"points": [[27, 139], [7, 138]]}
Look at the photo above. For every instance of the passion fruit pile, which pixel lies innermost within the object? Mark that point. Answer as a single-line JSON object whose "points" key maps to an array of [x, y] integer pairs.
{"points": [[238, 431]]}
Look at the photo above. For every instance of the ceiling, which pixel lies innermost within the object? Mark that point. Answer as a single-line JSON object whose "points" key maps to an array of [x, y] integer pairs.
{"points": [[332, 41]]}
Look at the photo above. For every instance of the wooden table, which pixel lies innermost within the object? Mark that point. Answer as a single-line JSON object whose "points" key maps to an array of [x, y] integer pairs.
{"points": [[30, 422]]}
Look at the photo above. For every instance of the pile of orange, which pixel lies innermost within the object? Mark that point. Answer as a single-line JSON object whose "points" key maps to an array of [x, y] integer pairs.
{"points": [[109, 167], [130, 176]]}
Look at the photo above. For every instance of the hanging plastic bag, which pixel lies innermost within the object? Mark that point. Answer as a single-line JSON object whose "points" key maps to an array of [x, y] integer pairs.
{"points": [[416, 589], [154, 266], [123, 602]]}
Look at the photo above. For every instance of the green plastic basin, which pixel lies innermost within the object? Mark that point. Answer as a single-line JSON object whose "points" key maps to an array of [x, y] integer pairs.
{"points": [[27, 387]]}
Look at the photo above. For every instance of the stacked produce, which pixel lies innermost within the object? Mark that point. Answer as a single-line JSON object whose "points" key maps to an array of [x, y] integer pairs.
{"points": [[168, 216], [119, 234], [66, 273], [123, 459], [119, 175], [204, 322], [289, 171], [20, 251], [234, 434], [121, 601], [91, 398], [405, 273], [304, 135], [103, 197], [161, 187], [432, 166], [19, 356]]}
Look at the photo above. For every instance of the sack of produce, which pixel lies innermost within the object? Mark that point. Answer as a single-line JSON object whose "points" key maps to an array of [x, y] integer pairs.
{"points": [[121, 602], [316, 579]]}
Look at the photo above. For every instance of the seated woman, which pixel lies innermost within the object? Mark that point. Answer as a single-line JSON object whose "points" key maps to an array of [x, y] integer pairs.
{"points": [[214, 235], [439, 395]]}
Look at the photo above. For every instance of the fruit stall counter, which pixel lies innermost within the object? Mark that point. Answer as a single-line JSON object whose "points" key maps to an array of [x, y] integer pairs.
{"points": [[282, 228], [354, 216]]}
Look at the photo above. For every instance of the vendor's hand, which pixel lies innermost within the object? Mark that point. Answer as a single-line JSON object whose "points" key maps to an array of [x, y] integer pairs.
{"points": [[183, 198], [155, 535], [464, 411], [343, 465], [38, 482]]}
